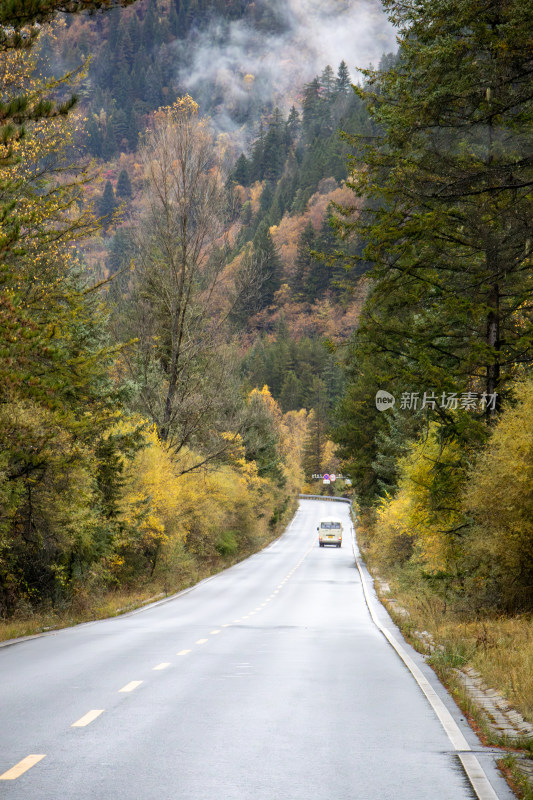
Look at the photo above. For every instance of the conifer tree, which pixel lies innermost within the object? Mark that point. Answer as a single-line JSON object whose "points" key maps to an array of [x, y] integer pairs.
{"points": [[293, 124], [21, 21], [268, 265], [109, 143], [290, 398], [124, 184], [313, 449], [327, 81], [241, 172], [274, 148], [315, 440], [106, 205], [343, 83], [312, 109], [94, 136], [303, 259]]}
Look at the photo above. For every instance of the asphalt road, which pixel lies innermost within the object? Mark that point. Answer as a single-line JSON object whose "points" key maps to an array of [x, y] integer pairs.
{"points": [[269, 681]]}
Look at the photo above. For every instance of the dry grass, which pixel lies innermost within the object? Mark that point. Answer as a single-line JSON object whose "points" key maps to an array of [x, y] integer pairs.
{"points": [[500, 648], [81, 610]]}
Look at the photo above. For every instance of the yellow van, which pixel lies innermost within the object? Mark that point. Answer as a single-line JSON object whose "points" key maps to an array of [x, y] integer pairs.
{"points": [[330, 532]]}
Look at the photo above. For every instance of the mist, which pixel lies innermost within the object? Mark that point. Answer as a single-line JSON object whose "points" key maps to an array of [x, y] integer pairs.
{"points": [[234, 68]]}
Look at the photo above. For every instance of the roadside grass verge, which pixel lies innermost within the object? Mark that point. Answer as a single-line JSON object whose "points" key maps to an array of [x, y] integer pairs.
{"points": [[515, 778], [108, 604], [85, 607], [500, 648]]}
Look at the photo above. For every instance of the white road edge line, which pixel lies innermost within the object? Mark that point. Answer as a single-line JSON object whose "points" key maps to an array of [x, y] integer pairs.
{"points": [[474, 770]]}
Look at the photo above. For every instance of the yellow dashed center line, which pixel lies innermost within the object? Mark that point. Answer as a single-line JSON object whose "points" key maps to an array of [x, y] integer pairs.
{"points": [[129, 687], [87, 718], [20, 768], [30, 761]]}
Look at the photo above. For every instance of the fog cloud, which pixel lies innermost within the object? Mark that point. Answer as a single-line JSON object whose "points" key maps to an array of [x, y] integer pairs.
{"points": [[236, 68]]}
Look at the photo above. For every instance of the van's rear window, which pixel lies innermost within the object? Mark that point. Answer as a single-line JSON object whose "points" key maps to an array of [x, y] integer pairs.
{"points": [[330, 525]]}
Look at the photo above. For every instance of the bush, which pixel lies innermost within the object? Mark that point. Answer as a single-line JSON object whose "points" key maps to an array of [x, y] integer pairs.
{"points": [[420, 520], [227, 544], [499, 498]]}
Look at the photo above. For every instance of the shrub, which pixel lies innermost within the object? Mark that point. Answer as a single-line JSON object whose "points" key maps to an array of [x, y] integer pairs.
{"points": [[499, 498], [227, 543]]}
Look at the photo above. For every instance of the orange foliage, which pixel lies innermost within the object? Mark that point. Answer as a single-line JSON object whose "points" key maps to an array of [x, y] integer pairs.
{"points": [[286, 234]]}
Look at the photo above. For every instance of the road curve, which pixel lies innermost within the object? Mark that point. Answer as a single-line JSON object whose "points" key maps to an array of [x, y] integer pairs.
{"points": [[269, 681]]}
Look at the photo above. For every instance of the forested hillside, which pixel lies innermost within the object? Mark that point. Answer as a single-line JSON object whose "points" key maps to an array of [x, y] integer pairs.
{"points": [[166, 307], [135, 60]]}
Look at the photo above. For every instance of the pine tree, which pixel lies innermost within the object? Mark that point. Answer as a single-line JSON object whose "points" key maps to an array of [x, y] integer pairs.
{"points": [[124, 184], [268, 265], [122, 89], [290, 397], [314, 444], [121, 251], [327, 81], [293, 125], [173, 21], [106, 205], [149, 27], [303, 259], [119, 124], [312, 109], [274, 148], [267, 198], [109, 143], [241, 172], [343, 83], [134, 31]]}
